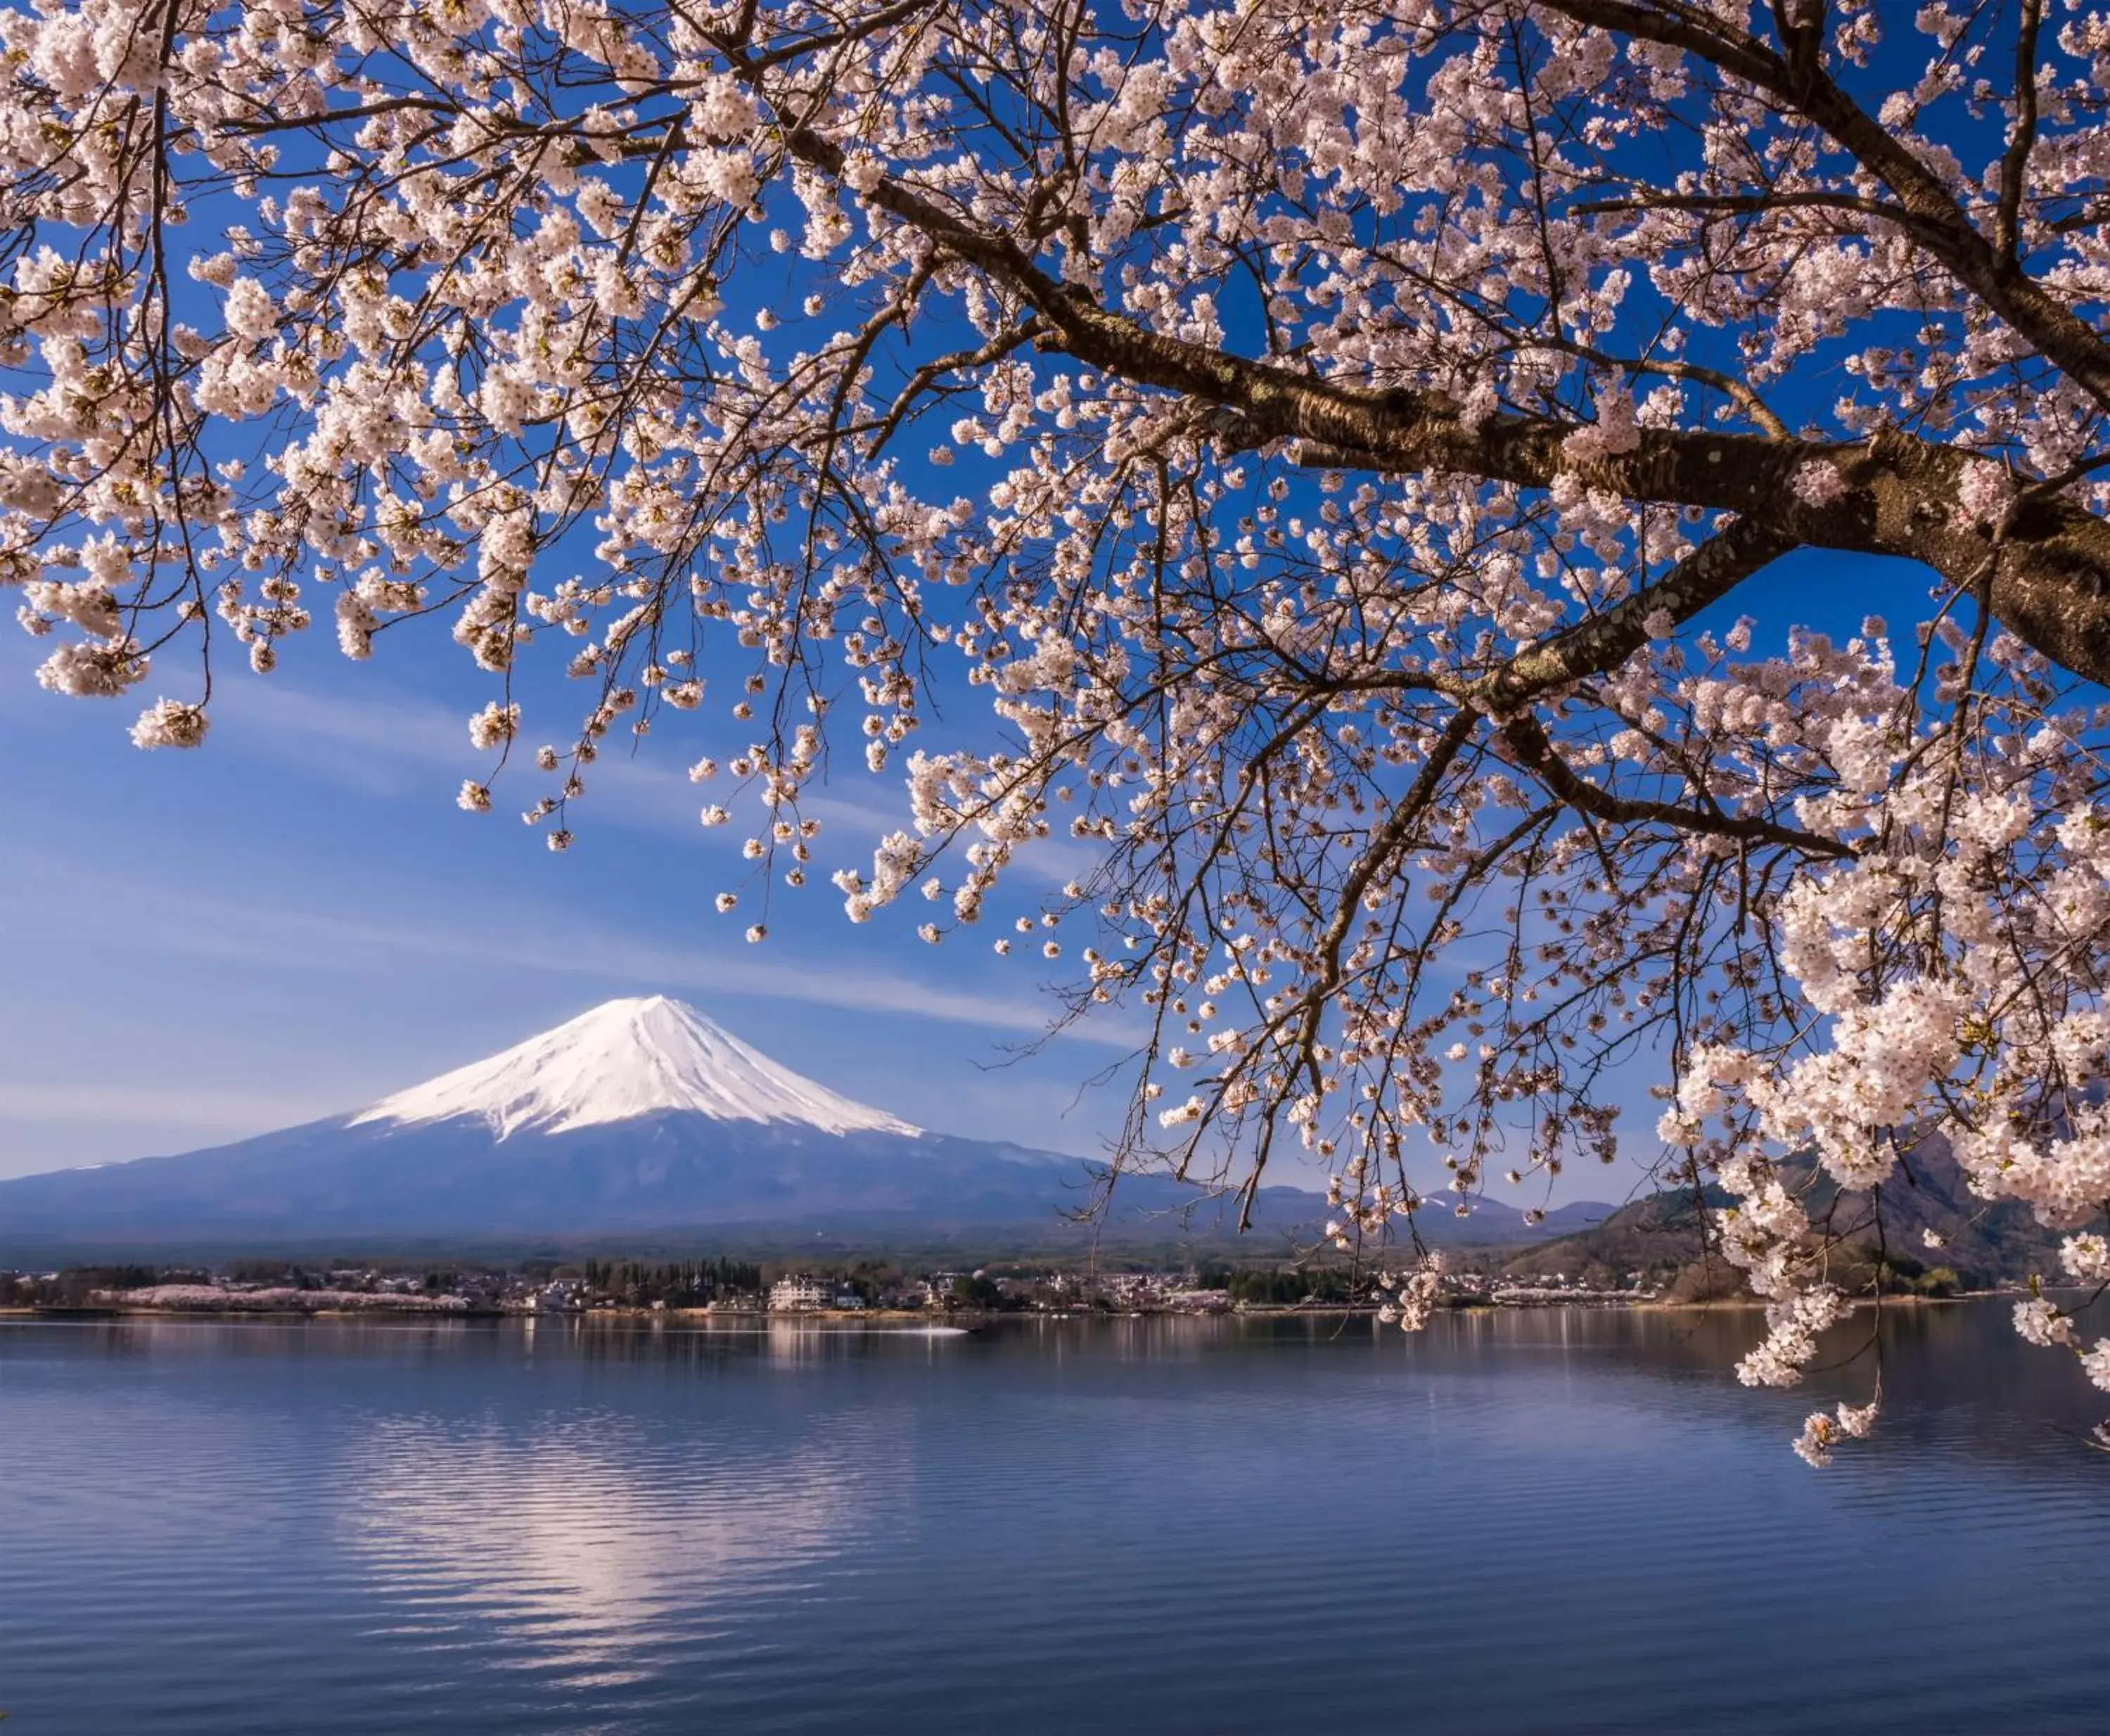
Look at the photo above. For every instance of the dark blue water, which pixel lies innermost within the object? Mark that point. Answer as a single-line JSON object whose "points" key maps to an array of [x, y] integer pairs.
{"points": [[1561, 1522]]}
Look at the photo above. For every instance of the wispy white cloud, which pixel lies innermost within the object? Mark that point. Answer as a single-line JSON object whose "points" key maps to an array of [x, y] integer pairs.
{"points": [[370, 742], [151, 1106], [398, 725], [174, 919]]}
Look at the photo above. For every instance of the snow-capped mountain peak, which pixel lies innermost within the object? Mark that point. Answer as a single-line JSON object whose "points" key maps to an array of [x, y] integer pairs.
{"points": [[624, 1059]]}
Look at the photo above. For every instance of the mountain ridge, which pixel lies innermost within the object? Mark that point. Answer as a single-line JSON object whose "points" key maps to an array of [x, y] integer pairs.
{"points": [[640, 1117], [1983, 1243]]}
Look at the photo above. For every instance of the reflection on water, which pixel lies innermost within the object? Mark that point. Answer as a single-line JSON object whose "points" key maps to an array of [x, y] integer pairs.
{"points": [[585, 1535], [1548, 1521]]}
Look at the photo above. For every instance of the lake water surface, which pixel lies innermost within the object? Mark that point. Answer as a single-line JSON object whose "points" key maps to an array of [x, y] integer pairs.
{"points": [[1558, 1521]]}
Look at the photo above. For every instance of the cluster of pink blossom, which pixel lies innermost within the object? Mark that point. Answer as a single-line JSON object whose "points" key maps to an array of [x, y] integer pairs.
{"points": [[1822, 1431], [1413, 1294], [1950, 968]]}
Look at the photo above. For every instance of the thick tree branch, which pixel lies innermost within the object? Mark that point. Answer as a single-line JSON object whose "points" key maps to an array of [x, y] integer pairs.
{"points": [[1529, 746], [2053, 587], [2015, 165], [1603, 642]]}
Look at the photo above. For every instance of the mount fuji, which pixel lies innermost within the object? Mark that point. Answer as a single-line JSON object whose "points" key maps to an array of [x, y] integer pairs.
{"points": [[624, 1061], [641, 1115], [641, 1118]]}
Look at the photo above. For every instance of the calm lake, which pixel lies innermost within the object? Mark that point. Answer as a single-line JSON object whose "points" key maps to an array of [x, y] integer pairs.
{"points": [[1560, 1521]]}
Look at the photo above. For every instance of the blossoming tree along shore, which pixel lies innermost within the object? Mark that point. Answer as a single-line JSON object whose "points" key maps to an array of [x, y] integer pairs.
{"points": [[1356, 410]]}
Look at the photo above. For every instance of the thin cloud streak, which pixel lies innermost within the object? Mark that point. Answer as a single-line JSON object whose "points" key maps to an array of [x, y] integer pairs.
{"points": [[148, 1106], [646, 792], [198, 926], [275, 718]]}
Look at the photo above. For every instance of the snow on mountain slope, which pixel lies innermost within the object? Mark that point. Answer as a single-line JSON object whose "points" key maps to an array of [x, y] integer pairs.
{"points": [[624, 1059]]}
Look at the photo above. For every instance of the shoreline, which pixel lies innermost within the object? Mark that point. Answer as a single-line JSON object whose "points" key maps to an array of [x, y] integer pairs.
{"points": [[899, 1316]]}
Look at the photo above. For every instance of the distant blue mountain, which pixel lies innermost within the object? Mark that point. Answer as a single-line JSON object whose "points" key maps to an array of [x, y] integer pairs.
{"points": [[639, 1118]]}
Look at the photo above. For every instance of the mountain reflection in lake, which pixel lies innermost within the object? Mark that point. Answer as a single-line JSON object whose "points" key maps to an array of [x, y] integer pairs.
{"points": [[1557, 1522]]}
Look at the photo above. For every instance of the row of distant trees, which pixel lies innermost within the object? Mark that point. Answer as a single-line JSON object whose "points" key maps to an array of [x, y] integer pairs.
{"points": [[1320, 1285], [680, 1284]]}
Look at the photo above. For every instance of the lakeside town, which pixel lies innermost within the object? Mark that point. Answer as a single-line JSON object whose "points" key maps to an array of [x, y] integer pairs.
{"points": [[722, 1286]]}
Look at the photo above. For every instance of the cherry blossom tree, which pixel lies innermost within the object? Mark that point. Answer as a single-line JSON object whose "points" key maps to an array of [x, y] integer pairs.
{"points": [[1372, 459]]}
